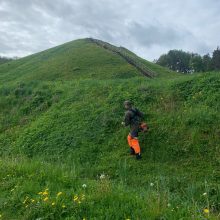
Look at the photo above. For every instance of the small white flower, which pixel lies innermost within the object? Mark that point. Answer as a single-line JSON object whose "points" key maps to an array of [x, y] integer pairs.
{"points": [[204, 194], [168, 205], [151, 184], [102, 176], [84, 185]]}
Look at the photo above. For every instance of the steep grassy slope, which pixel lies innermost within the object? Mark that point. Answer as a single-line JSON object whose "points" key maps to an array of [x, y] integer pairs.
{"points": [[60, 124]]}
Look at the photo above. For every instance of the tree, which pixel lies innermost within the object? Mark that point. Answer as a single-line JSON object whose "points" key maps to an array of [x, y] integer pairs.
{"points": [[176, 60], [196, 63], [4, 60], [216, 59], [207, 62]]}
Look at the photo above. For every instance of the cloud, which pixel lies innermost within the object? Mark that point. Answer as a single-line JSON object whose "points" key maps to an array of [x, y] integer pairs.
{"points": [[154, 35], [148, 27]]}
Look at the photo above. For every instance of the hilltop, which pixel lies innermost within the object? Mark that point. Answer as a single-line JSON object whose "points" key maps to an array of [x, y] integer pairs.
{"points": [[60, 131]]}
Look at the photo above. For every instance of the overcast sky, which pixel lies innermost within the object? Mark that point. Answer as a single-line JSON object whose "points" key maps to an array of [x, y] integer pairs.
{"points": [[147, 27]]}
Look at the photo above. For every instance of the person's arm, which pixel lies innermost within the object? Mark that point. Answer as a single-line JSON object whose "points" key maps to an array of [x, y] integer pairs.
{"points": [[127, 119]]}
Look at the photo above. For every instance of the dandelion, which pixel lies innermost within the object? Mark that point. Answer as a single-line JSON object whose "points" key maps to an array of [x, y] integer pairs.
{"points": [[59, 194], [84, 186], [45, 199], [45, 193], [206, 211]]}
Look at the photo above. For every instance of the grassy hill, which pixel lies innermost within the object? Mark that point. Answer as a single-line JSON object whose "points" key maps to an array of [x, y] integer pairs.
{"points": [[63, 151]]}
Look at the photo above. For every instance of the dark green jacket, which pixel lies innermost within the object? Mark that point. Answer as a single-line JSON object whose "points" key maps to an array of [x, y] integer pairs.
{"points": [[133, 117]]}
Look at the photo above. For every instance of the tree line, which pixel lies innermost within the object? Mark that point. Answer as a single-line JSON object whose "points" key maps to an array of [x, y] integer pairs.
{"points": [[5, 59], [186, 62]]}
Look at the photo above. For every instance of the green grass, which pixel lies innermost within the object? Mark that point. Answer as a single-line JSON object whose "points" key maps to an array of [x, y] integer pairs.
{"points": [[60, 128]]}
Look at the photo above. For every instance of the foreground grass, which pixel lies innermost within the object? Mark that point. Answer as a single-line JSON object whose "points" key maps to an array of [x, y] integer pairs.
{"points": [[34, 189]]}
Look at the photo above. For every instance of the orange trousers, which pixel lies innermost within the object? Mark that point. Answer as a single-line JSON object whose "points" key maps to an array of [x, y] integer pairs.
{"points": [[134, 143]]}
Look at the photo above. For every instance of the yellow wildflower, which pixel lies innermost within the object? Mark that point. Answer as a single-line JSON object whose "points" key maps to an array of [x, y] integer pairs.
{"points": [[33, 200], [75, 198], [45, 193], [59, 194], [206, 211], [45, 199], [40, 193], [53, 203], [25, 200]]}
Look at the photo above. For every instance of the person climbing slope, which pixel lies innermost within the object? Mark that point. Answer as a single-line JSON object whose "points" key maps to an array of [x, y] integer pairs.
{"points": [[133, 118]]}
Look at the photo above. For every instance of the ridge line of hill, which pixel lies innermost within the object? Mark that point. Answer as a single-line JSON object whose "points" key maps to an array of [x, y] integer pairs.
{"points": [[121, 52]]}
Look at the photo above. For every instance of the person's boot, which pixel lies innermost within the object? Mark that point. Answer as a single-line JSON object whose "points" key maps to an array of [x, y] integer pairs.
{"points": [[138, 156], [132, 152]]}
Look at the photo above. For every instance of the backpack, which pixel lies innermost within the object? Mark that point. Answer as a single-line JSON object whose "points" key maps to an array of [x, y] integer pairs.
{"points": [[135, 118]]}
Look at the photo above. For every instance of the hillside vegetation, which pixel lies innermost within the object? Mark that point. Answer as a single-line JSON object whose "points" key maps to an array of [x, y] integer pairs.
{"points": [[63, 151], [5, 60]]}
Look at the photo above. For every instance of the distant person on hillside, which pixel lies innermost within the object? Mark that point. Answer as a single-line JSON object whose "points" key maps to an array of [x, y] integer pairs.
{"points": [[133, 118]]}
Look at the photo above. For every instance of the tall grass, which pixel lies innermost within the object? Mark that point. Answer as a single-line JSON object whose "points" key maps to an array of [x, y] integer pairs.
{"points": [[64, 153]]}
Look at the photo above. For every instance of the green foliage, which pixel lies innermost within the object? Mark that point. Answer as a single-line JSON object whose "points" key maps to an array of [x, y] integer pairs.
{"points": [[176, 60], [216, 59], [196, 63], [4, 60], [207, 62], [186, 62], [60, 131]]}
